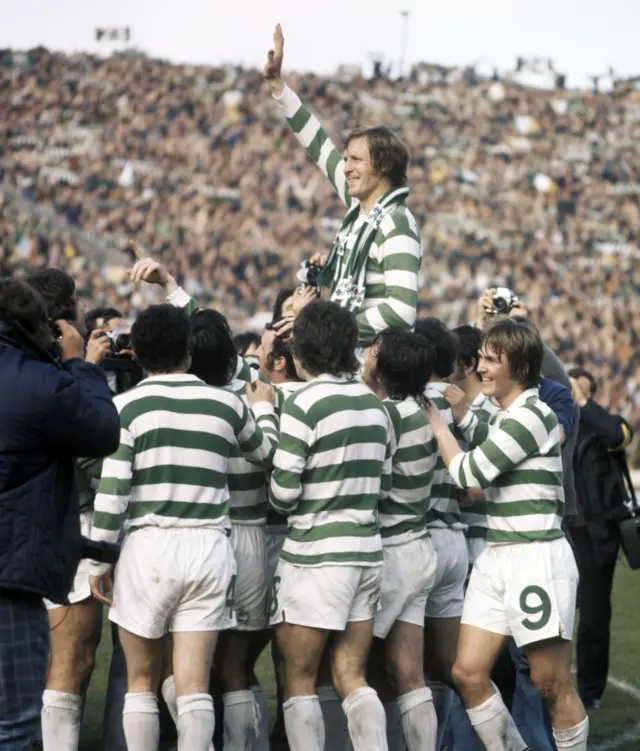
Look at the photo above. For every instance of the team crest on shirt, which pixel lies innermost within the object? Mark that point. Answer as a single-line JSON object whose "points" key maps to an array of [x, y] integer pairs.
{"points": [[346, 291], [341, 244], [376, 215]]}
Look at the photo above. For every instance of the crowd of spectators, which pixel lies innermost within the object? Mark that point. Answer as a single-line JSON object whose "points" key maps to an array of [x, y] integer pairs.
{"points": [[536, 190]]}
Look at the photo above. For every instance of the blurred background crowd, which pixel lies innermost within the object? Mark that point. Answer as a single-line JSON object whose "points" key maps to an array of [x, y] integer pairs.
{"points": [[537, 190]]}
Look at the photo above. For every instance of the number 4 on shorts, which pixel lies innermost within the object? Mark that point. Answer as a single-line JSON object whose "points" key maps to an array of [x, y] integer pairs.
{"points": [[273, 597], [535, 601], [231, 595]]}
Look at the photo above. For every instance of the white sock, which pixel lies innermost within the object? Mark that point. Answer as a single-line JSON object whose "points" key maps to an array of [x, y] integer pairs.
{"points": [[419, 720], [241, 720], [303, 723], [367, 720], [335, 722], [395, 733], [196, 721], [141, 722], [573, 738], [170, 698], [495, 727], [61, 721], [261, 743], [442, 698]]}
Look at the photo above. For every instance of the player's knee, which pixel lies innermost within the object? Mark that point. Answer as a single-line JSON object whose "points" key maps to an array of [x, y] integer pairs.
{"points": [[548, 688], [85, 659], [467, 678], [401, 672], [235, 672], [72, 665], [345, 674]]}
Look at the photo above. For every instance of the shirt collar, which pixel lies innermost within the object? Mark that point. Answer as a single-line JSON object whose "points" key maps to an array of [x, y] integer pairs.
{"points": [[436, 388], [345, 378], [522, 399], [173, 377]]}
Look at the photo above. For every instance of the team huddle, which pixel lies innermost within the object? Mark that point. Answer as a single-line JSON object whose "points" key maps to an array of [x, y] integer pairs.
{"points": [[341, 503], [378, 497]]}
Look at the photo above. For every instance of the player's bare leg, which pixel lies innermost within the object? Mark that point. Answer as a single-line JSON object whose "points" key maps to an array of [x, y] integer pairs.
{"points": [[140, 714], [478, 651], [301, 648], [550, 672], [73, 641], [440, 647], [364, 710], [403, 666], [235, 670], [192, 662]]}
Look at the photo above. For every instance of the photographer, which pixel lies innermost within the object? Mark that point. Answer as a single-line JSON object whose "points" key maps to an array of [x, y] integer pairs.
{"points": [[59, 407], [601, 469], [123, 372], [75, 628]]}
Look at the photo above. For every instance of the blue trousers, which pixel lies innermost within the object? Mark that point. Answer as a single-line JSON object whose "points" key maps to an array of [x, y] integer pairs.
{"points": [[24, 657]]}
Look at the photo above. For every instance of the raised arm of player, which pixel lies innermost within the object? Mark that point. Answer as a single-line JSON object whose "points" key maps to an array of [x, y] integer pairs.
{"points": [[305, 126]]}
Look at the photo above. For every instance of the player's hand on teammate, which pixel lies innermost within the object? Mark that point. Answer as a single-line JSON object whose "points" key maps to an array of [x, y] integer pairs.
{"points": [[273, 68], [435, 418], [259, 391], [456, 398], [100, 587]]}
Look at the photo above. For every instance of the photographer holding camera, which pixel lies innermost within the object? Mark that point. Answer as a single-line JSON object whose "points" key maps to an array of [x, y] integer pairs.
{"points": [[123, 372], [56, 406]]}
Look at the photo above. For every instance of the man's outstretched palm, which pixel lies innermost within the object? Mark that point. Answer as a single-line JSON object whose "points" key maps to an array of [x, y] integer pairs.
{"points": [[273, 68]]}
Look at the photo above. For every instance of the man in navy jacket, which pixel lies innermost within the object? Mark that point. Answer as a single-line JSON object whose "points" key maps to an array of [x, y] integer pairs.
{"points": [[52, 409]]}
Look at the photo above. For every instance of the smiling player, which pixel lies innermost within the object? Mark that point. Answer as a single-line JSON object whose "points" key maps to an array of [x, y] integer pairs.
{"points": [[372, 267], [524, 583]]}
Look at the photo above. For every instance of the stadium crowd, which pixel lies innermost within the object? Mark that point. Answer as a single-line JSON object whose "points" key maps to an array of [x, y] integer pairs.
{"points": [[534, 189], [383, 496]]}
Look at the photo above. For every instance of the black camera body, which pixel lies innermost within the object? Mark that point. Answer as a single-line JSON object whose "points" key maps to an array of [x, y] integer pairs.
{"points": [[120, 340], [503, 299], [309, 274]]}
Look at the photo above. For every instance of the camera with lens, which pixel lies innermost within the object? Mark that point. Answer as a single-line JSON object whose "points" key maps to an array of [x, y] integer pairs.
{"points": [[120, 340], [503, 299], [309, 274]]}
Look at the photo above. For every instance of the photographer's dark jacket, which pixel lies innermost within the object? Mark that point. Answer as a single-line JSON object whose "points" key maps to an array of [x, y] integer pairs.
{"points": [[600, 475], [48, 414]]}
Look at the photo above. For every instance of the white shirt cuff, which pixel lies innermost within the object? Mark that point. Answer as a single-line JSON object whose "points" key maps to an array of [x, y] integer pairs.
{"points": [[98, 569], [260, 409], [454, 468], [289, 102], [179, 298]]}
